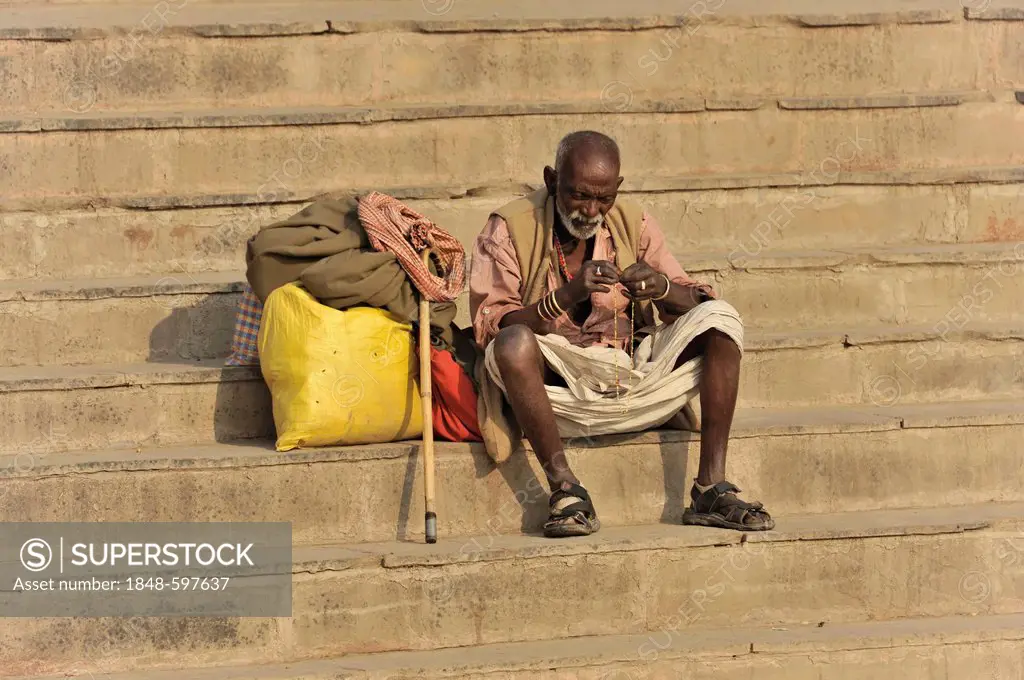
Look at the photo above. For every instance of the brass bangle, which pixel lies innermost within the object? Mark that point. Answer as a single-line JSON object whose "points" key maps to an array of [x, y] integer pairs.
{"points": [[544, 308], [668, 288], [555, 306]]}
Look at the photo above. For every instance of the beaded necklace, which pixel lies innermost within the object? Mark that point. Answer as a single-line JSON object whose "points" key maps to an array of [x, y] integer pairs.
{"points": [[561, 258], [615, 326], [629, 352]]}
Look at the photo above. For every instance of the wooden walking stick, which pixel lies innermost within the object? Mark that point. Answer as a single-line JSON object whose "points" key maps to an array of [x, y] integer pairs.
{"points": [[428, 411]]}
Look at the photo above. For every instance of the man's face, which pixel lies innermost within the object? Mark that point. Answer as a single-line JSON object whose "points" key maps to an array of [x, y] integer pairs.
{"points": [[585, 192]]}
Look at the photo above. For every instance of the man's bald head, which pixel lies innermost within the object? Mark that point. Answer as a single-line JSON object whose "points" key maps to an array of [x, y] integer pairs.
{"points": [[584, 181], [589, 146]]}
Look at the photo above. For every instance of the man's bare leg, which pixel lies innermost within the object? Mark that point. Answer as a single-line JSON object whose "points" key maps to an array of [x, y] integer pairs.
{"points": [[719, 388], [522, 369]]}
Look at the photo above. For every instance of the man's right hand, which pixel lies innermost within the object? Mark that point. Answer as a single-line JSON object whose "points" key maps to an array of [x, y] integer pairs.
{"points": [[594, 276]]}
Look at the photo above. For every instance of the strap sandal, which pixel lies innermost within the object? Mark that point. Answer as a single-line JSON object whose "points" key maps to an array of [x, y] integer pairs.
{"points": [[720, 507], [572, 513]]}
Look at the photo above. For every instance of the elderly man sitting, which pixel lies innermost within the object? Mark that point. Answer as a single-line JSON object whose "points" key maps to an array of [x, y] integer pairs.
{"points": [[562, 287]]}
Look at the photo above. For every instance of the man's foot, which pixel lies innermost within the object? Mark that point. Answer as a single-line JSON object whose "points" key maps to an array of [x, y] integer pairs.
{"points": [[719, 507], [572, 513]]}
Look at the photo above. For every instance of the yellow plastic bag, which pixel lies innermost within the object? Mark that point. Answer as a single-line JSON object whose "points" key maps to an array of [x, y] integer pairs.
{"points": [[337, 377]]}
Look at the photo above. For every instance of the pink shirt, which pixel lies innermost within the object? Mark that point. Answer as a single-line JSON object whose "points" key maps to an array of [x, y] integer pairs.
{"points": [[495, 282]]}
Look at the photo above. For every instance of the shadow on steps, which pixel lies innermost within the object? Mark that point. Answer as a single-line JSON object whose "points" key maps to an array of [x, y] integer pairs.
{"points": [[193, 333]]}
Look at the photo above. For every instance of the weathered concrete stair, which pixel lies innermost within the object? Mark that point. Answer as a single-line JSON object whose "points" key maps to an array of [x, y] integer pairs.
{"points": [[471, 51], [360, 598], [798, 461], [184, 315], [740, 215], [979, 647], [437, 150], [123, 405]]}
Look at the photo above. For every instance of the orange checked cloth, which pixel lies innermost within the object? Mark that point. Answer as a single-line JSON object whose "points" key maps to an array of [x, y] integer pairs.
{"points": [[392, 226]]}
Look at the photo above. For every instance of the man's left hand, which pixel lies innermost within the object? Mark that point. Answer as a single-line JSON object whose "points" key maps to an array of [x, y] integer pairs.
{"points": [[642, 281]]}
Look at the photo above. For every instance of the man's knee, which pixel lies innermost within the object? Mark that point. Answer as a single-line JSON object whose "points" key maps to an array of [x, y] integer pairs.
{"points": [[516, 347], [699, 346], [719, 339], [716, 335]]}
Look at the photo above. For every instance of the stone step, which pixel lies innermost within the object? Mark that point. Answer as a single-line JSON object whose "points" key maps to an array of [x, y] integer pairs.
{"points": [[441, 144], [185, 316], [89, 18], [883, 366], [223, 117], [65, 408], [119, 320], [167, 404], [90, 56], [737, 215], [952, 284], [797, 461], [979, 647], [363, 598]]}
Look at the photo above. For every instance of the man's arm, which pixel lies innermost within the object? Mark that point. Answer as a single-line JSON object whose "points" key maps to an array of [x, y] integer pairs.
{"points": [[586, 282], [494, 280], [529, 317], [681, 298]]}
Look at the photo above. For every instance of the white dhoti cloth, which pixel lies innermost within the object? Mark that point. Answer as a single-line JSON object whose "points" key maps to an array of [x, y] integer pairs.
{"points": [[651, 390]]}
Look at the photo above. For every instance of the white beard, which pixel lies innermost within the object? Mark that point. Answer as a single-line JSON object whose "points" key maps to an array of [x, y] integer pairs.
{"points": [[581, 232]]}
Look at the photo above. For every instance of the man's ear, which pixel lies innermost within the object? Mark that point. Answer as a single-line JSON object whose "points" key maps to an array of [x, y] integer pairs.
{"points": [[619, 183], [551, 180]]}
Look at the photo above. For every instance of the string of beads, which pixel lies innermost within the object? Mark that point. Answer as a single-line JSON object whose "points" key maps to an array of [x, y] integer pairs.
{"points": [[548, 305]]}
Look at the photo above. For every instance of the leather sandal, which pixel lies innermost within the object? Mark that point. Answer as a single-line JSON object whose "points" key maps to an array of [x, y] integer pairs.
{"points": [[572, 513], [720, 507]]}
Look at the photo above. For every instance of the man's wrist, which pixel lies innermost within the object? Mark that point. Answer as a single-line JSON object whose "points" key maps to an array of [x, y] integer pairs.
{"points": [[564, 298], [668, 288], [699, 295]]}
